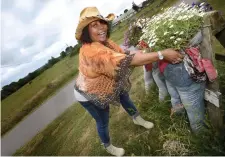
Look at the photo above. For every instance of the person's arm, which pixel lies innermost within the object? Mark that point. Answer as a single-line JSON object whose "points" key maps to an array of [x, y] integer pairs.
{"points": [[141, 58], [144, 58]]}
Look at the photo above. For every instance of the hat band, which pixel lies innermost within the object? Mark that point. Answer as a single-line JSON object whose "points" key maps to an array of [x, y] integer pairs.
{"points": [[100, 16]]}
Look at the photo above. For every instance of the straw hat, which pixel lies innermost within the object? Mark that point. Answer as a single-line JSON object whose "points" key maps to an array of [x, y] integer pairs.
{"points": [[89, 15]]}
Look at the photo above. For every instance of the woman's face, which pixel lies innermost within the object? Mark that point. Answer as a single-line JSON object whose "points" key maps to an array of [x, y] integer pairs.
{"points": [[98, 31]]}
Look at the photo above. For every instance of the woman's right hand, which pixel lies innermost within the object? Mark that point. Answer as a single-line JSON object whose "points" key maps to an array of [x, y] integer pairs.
{"points": [[172, 56]]}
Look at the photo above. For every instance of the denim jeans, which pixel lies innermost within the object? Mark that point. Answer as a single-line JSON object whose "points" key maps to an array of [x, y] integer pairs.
{"points": [[190, 92], [174, 94], [148, 78], [160, 81], [101, 116]]}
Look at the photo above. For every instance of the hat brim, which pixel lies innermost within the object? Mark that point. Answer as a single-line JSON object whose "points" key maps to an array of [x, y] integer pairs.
{"points": [[88, 20]]}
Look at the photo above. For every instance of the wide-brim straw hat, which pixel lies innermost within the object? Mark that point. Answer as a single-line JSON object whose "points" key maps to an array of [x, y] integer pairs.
{"points": [[89, 15]]}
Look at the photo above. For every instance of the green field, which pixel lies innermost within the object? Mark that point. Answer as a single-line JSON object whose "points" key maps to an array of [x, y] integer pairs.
{"points": [[25, 100]]}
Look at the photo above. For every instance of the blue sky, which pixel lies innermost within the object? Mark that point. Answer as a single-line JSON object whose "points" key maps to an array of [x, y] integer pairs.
{"points": [[34, 30]]}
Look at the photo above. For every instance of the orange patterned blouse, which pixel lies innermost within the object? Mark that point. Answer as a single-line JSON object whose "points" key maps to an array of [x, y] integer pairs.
{"points": [[104, 72]]}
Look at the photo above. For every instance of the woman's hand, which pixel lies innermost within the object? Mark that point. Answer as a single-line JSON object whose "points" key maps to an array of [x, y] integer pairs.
{"points": [[172, 56]]}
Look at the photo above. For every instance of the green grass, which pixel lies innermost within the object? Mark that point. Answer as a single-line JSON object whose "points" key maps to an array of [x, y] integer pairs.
{"points": [[74, 132], [15, 107], [154, 8], [118, 33], [218, 5]]}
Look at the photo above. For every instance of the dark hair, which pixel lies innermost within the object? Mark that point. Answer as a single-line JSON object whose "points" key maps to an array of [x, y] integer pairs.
{"points": [[85, 36]]}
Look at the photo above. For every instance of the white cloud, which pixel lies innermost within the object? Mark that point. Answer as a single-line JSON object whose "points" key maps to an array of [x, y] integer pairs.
{"points": [[53, 10], [12, 30], [52, 50], [25, 5]]}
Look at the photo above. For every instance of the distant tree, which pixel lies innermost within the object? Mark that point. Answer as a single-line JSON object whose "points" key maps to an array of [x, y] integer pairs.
{"points": [[145, 3], [13, 86], [52, 61], [5, 94], [126, 10], [33, 75], [68, 49], [75, 50], [62, 54], [47, 65], [21, 82], [6, 91], [135, 7], [9, 89]]}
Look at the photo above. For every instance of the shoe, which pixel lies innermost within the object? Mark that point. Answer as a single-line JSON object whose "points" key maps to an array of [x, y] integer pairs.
{"points": [[115, 151], [140, 121], [178, 110]]}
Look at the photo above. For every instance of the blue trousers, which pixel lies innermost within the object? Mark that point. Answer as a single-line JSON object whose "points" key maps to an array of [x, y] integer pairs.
{"points": [[190, 93], [101, 116]]}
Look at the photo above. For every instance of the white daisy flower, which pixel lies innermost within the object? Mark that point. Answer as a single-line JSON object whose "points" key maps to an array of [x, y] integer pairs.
{"points": [[166, 33], [151, 44], [190, 16], [202, 4], [185, 16]]}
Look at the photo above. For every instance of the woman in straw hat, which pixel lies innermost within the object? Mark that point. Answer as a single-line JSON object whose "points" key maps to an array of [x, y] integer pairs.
{"points": [[104, 70]]}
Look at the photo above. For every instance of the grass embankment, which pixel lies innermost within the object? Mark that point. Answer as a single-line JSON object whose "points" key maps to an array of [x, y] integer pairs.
{"points": [[15, 107]]}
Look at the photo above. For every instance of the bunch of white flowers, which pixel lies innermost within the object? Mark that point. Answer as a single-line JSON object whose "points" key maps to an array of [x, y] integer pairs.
{"points": [[173, 28], [141, 22]]}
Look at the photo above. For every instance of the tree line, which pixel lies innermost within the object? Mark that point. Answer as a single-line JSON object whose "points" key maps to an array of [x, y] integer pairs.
{"points": [[14, 86]]}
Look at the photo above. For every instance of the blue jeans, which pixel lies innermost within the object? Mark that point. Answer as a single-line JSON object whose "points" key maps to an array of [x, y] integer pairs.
{"points": [[190, 92], [161, 84], [101, 116], [174, 94], [148, 79], [160, 81]]}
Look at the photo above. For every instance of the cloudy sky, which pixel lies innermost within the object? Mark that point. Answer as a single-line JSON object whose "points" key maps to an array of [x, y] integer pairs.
{"points": [[34, 30]]}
